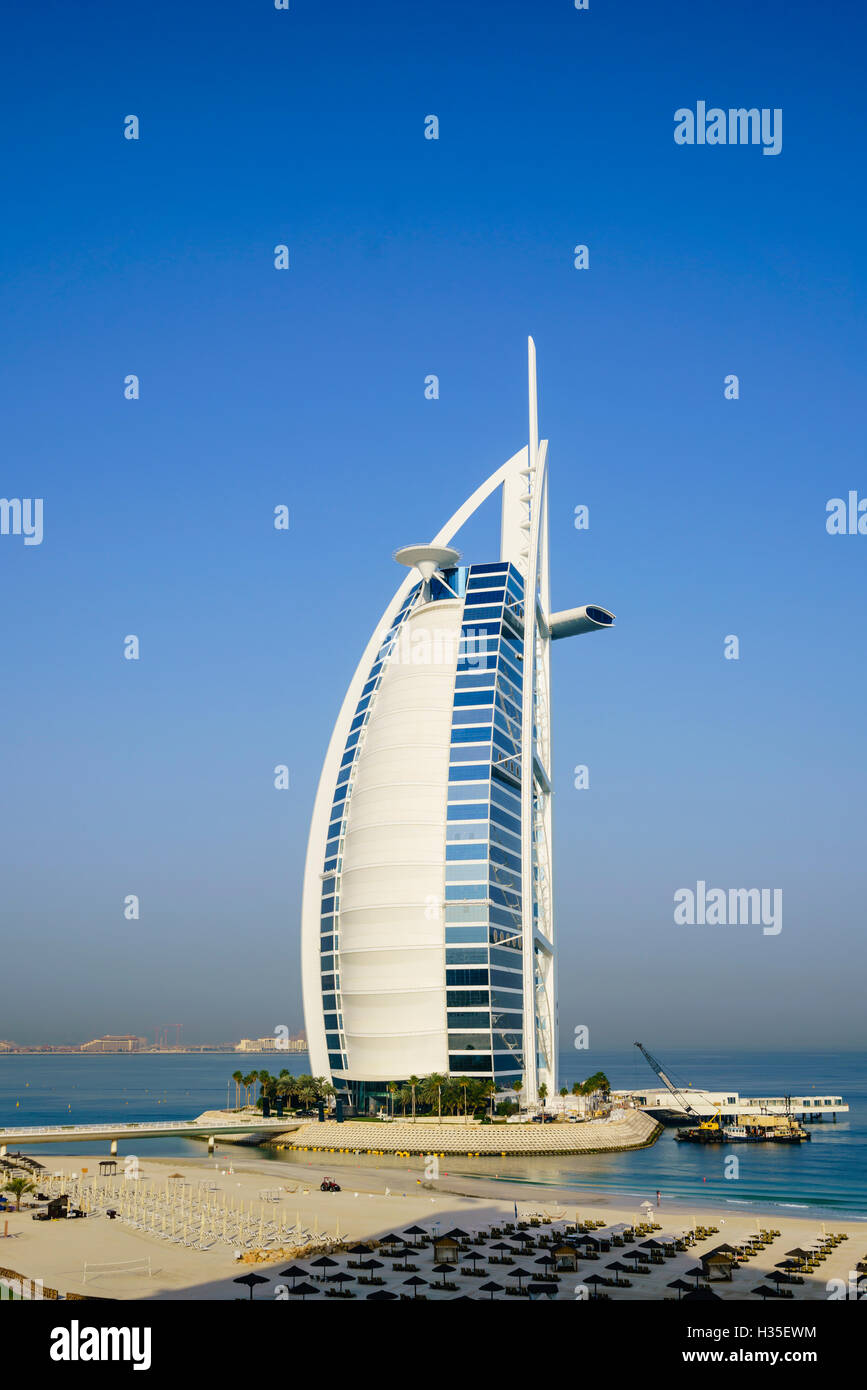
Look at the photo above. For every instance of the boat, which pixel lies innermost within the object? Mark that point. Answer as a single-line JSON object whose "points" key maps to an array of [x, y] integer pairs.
{"points": [[786, 1133]]}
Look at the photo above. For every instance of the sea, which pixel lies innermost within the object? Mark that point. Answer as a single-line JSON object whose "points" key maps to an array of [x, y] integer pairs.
{"points": [[826, 1177]]}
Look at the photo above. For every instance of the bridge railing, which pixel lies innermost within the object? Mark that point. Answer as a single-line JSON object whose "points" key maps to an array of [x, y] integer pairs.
{"points": [[208, 1126]]}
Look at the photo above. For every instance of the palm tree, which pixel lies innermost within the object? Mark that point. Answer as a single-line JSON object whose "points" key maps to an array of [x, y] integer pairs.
{"points": [[392, 1091], [462, 1082], [306, 1089], [412, 1083], [237, 1077], [433, 1088], [517, 1087], [18, 1187], [286, 1084], [490, 1089]]}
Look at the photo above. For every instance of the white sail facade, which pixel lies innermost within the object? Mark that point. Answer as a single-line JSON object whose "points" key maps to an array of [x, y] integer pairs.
{"points": [[427, 922]]}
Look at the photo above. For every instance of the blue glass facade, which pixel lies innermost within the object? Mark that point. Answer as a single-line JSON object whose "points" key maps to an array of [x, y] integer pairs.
{"points": [[484, 986]]}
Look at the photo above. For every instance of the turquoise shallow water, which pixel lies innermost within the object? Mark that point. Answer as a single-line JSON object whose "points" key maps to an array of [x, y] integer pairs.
{"points": [[828, 1175]]}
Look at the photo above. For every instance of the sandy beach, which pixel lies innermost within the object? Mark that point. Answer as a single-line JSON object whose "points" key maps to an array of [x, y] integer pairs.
{"points": [[176, 1206]]}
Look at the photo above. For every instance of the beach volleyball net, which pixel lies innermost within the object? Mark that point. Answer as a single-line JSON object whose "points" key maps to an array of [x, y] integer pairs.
{"points": [[108, 1269]]}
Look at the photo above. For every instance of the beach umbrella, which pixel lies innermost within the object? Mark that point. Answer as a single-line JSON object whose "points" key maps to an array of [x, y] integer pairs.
{"points": [[415, 1231], [463, 1298], [787, 1264], [341, 1277], [361, 1250], [392, 1239], [593, 1280], [382, 1296], [324, 1262], [633, 1255], [444, 1270], [696, 1274], [618, 1269], [764, 1292], [251, 1280], [492, 1288], [701, 1296], [501, 1245], [519, 1274], [293, 1272], [303, 1289], [546, 1260], [474, 1256], [655, 1245], [798, 1253], [778, 1278], [416, 1281], [372, 1264], [524, 1238], [458, 1234], [681, 1285]]}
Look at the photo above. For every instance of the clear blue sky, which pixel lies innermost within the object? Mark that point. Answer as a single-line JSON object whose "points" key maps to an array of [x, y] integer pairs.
{"points": [[305, 387]]}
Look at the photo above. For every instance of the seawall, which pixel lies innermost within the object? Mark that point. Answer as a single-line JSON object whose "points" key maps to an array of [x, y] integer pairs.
{"points": [[626, 1129]]}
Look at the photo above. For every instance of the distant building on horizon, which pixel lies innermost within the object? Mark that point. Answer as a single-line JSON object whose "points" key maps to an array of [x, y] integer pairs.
{"points": [[115, 1042], [272, 1044]]}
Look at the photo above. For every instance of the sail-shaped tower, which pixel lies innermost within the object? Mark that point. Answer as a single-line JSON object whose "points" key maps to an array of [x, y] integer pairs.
{"points": [[428, 940]]}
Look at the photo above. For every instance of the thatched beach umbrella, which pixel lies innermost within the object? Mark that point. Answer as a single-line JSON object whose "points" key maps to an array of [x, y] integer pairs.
{"points": [[491, 1287], [293, 1272], [251, 1280], [764, 1292], [382, 1296], [519, 1274], [444, 1270], [681, 1285], [416, 1281], [618, 1268], [415, 1232], [303, 1290]]}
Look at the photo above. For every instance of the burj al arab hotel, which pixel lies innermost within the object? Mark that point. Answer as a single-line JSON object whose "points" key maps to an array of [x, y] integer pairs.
{"points": [[428, 940]]}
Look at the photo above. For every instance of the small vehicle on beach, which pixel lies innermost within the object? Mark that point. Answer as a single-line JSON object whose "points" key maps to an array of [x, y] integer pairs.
{"points": [[329, 1185]]}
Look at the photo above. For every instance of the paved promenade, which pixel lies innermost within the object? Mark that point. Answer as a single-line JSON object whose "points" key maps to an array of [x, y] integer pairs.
{"points": [[626, 1129]]}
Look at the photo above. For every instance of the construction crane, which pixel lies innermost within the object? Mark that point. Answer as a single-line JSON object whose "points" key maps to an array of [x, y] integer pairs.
{"points": [[678, 1094]]}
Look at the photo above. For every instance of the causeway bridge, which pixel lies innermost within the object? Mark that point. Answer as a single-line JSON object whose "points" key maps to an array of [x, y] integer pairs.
{"points": [[208, 1128]]}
